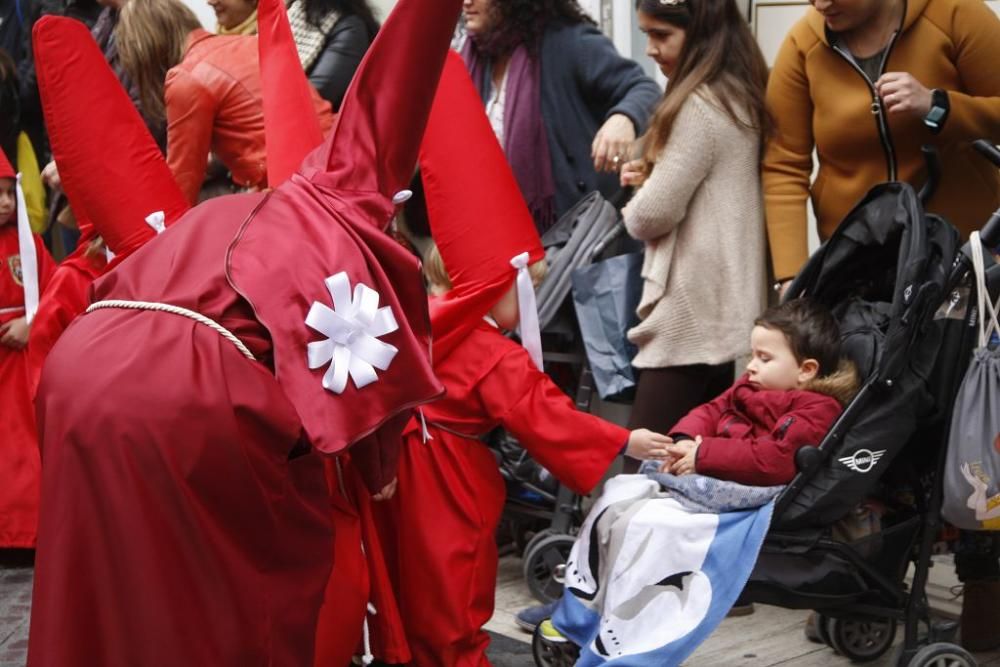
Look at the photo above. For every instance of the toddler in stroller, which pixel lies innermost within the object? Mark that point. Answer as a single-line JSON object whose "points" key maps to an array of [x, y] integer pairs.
{"points": [[892, 276], [795, 387]]}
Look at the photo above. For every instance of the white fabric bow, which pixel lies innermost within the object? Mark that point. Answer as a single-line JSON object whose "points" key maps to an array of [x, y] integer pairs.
{"points": [[352, 329]]}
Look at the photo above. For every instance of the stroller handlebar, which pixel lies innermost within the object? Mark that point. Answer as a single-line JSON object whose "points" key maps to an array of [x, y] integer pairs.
{"points": [[987, 150]]}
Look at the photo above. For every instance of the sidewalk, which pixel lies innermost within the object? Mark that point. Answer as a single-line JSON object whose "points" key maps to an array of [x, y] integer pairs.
{"points": [[771, 636]]}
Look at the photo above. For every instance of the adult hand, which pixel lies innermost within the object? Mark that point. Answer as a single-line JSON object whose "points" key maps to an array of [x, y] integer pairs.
{"points": [[612, 143], [633, 173], [685, 453], [14, 334], [783, 288], [50, 175], [644, 444], [388, 491], [901, 93]]}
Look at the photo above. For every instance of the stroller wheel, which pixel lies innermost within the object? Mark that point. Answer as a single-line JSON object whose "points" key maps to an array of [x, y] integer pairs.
{"points": [[861, 640], [535, 539], [941, 654], [553, 654], [544, 563]]}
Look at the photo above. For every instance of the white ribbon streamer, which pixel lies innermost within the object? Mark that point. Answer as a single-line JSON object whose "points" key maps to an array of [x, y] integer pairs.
{"points": [[424, 433], [352, 329], [29, 260], [158, 221], [531, 335]]}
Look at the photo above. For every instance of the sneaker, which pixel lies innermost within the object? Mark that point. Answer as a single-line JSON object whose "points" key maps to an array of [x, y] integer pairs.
{"points": [[549, 632], [528, 619]]}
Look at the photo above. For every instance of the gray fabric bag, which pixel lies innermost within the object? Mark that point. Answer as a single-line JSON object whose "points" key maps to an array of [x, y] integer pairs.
{"points": [[972, 469]]}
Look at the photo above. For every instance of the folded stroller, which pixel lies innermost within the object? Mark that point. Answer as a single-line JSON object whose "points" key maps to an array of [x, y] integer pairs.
{"points": [[897, 283]]}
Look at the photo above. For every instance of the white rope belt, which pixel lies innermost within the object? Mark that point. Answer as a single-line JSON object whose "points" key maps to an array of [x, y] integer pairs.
{"points": [[176, 310]]}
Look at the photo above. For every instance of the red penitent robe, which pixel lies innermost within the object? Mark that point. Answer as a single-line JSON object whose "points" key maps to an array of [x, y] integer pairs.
{"points": [[444, 516], [184, 521], [19, 471]]}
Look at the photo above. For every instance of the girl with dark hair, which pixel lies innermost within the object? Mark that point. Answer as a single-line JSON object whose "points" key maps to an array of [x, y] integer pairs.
{"points": [[698, 207], [564, 104], [332, 37]]}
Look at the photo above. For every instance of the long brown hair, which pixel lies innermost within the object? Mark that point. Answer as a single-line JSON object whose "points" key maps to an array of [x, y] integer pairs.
{"points": [[719, 52], [151, 36]]}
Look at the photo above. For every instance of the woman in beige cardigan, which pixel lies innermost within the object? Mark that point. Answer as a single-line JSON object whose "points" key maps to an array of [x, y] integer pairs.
{"points": [[699, 207]]}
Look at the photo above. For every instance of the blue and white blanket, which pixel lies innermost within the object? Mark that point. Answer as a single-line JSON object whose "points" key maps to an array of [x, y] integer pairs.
{"points": [[659, 562]]}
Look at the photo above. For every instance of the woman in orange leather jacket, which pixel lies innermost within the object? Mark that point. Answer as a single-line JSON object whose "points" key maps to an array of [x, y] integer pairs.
{"points": [[207, 87]]}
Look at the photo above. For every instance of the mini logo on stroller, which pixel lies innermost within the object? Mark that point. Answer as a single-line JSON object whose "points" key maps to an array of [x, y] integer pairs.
{"points": [[863, 460]]}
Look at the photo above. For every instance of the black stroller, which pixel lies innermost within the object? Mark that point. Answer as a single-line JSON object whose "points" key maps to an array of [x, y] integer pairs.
{"points": [[898, 284], [540, 516]]}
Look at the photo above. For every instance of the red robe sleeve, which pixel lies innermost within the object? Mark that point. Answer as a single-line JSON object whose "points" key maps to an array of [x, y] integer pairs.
{"points": [[575, 446], [703, 419], [65, 296], [769, 459]]}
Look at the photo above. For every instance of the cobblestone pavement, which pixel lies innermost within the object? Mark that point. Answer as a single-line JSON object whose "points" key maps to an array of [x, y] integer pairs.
{"points": [[15, 608]]}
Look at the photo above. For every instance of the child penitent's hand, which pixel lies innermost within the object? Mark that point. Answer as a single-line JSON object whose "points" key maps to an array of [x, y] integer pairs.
{"points": [[682, 457], [644, 444], [14, 334]]}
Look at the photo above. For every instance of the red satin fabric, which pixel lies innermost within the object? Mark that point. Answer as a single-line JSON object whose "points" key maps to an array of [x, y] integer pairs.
{"points": [[182, 522], [65, 297], [451, 495], [19, 472]]}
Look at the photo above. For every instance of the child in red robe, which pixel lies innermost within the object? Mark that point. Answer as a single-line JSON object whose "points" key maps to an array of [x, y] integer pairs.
{"points": [[25, 270], [450, 493]]}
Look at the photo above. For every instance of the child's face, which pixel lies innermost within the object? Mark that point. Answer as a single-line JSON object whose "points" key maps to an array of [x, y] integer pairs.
{"points": [[8, 200], [773, 364]]}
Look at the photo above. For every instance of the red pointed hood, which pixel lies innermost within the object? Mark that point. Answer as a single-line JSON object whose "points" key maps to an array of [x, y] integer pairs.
{"points": [[373, 146], [477, 214], [111, 169], [291, 127], [315, 249]]}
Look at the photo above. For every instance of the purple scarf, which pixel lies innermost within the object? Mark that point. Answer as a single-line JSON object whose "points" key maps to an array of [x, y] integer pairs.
{"points": [[526, 143]]}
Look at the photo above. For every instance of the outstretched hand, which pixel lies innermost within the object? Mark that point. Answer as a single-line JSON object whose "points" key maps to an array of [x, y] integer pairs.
{"points": [[644, 444]]}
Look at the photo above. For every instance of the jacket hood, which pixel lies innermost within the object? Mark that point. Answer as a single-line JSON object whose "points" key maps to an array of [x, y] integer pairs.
{"points": [[843, 384]]}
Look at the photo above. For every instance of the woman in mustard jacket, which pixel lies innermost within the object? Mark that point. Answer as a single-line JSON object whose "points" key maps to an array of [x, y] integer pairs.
{"points": [[867, 83]]}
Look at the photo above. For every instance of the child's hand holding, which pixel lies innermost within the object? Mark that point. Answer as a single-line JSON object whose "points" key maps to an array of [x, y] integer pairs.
{"points": [[682, 456], [14, 334], [644, 444]]}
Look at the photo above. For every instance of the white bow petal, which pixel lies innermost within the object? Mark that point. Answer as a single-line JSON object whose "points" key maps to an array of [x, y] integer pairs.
{"points": [[352, 328]]}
